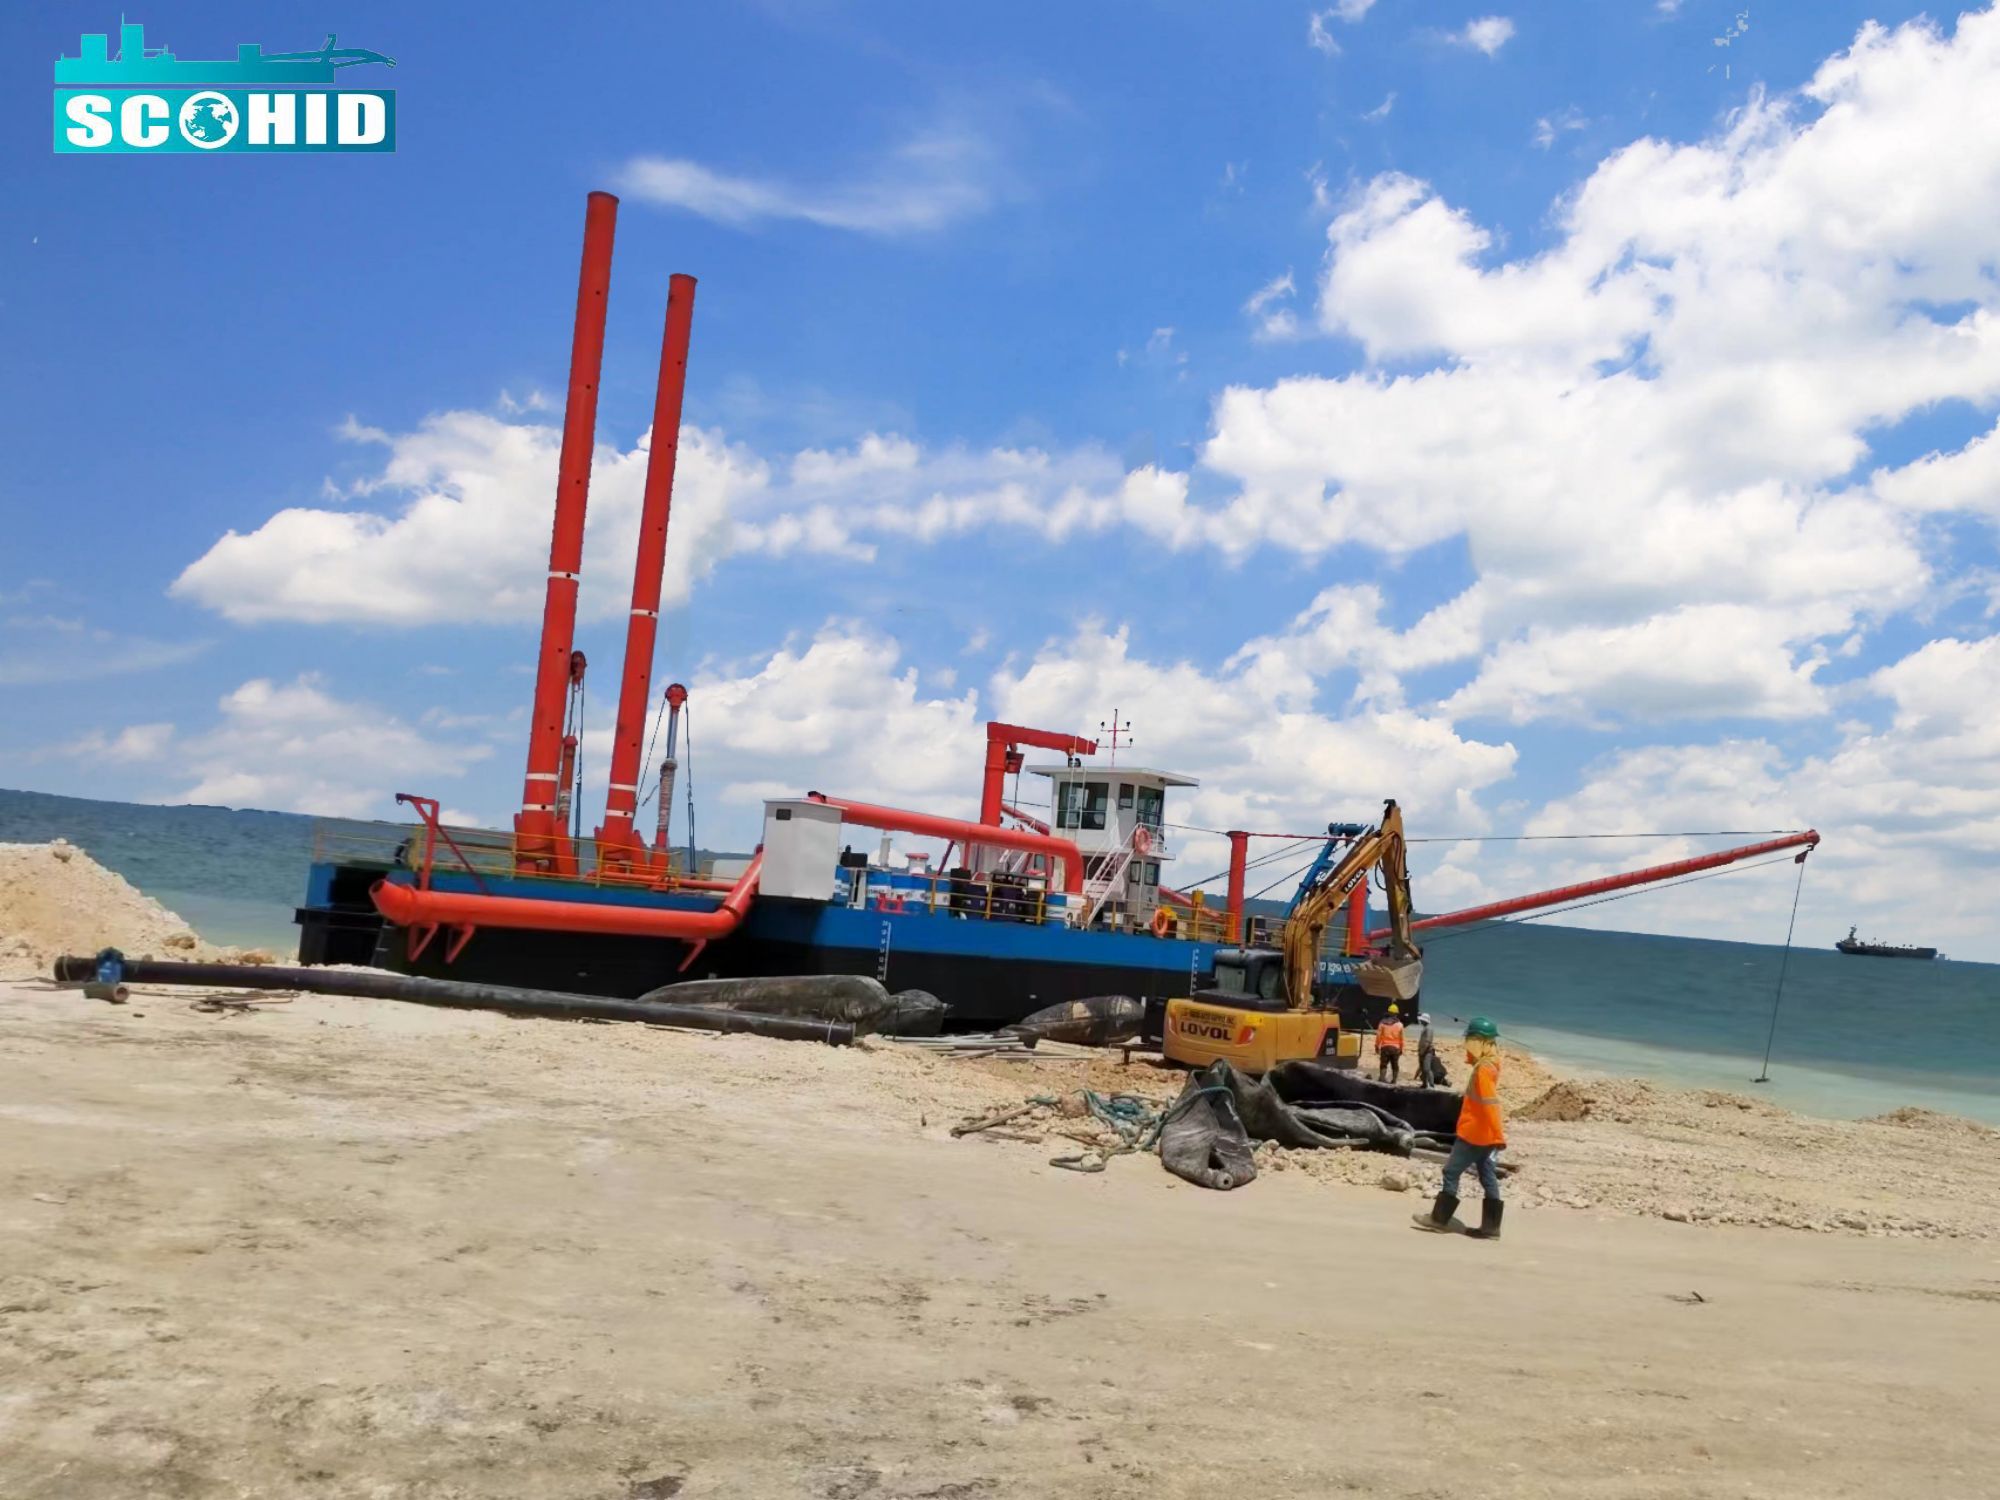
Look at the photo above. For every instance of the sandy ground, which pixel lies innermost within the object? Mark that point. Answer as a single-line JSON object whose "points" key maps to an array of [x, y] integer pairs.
{"points": [[351, 1248]]}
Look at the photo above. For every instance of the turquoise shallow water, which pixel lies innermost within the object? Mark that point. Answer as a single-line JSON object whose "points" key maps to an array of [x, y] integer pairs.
{"points": [[1855, 1036]]}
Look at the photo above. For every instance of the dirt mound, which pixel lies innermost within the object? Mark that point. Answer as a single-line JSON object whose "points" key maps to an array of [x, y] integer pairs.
{"points": [[1622, 1100], [1564, 1102], [56, 899], [1932, 1122]]}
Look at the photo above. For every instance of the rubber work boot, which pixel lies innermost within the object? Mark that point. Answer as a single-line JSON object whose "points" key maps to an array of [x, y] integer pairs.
{"points": [[1438, 1220], [1490, 1210]]}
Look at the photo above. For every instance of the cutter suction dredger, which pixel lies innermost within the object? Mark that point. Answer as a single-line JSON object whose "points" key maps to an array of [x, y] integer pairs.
{"points": [[998, 917], [1013, 915]]}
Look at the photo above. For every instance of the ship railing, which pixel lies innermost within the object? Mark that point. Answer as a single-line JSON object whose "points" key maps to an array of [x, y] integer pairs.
{"points": [[981, 898], [990, 898], [478, 851]]}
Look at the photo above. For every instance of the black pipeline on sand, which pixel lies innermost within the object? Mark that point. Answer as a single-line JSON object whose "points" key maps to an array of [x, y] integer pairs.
{"points": [[452, 994]]}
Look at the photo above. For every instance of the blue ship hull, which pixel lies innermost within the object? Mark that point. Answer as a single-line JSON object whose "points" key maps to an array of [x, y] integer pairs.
{"points": [[988, 972]]}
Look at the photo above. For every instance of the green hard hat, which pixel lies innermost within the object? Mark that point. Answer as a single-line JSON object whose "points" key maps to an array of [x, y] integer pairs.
{"points": [[1479, 1026]]}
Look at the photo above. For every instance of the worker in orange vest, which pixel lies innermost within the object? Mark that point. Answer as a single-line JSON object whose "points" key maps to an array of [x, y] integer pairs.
{"points": [[1389, 1047], [1481, 1135]]}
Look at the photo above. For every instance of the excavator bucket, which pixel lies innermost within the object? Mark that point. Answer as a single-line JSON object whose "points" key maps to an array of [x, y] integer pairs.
{"points": [[1389, 978]]}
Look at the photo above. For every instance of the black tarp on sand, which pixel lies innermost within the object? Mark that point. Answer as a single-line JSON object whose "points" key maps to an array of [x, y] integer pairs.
{"points": [[1207, 1138]]}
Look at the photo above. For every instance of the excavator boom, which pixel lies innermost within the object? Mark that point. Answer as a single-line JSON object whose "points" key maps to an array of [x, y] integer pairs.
{"points": [[1396, 974]]}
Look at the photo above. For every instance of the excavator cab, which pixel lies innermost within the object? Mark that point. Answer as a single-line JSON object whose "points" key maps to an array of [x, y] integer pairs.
{"points": [[1253, 978]]}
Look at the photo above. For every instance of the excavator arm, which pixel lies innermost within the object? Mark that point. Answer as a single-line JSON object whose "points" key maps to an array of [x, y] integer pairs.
{"points": [[1396, 972]]}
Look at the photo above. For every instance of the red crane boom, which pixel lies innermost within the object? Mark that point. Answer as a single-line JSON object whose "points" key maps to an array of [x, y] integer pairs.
{"points": [[1809, 840], [1003, 742]]}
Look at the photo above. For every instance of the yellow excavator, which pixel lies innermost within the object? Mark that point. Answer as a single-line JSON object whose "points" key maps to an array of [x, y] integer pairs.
{"points": [[1264, 1006]]}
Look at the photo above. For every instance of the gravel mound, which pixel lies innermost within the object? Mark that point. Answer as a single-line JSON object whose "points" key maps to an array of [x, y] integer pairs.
{"points": [[1934, 1123], [56, 899]]}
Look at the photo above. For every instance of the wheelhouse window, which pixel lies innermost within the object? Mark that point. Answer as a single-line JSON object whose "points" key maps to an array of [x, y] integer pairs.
{"points": [[1081, 804], [1152, 802], [1124, 796]]}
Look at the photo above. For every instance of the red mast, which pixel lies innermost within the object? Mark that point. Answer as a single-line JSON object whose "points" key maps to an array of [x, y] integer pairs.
{"points": [[1239, 863], [539, 845], [619, 845]]}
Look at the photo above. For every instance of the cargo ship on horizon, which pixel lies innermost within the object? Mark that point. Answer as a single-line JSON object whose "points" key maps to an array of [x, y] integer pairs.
{"points": [[1854, 948]]}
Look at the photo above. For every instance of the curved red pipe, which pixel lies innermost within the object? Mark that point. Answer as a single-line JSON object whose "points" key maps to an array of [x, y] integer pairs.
{"points": [[901, 820], [409, 907]]}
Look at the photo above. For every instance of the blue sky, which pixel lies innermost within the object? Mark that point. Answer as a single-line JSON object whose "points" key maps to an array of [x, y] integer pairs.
{"points": [[1521, 411]]}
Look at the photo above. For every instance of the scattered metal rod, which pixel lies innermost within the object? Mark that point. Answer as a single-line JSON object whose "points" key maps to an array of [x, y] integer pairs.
{"points": [[112, 967], [1001, 1117]]}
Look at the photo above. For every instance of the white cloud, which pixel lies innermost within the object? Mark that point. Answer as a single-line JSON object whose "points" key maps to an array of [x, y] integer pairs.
{"points": [[1705, 661], [1269, 761], [874, 455], [1550, 127], [469, 539], [1273, 321], [1320, 38], [1967, 479], [1910, 815], [295, 747], [840, 713], [1322, 198], [1487, 34], [51, 648], [135, 744], [1342, 628], [1652, 423], [1381, 111], [932, 180], [287, 747], [844, 713]]}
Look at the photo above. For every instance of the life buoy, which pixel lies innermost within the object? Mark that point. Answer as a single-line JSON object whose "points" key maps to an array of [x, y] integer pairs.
{"points": [[1142, 840], [1163, 922]]}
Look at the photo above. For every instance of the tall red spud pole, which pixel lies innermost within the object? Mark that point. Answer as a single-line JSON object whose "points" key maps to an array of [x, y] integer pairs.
{"points": [[619, 844], [539, 844]]}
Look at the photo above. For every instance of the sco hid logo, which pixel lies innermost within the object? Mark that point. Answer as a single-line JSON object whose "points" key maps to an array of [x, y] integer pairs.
{"points": [[147, 100], [211, 120]]}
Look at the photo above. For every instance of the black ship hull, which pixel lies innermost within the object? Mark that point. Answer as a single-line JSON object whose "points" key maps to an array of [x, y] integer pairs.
{"points": [[1882, 950]]}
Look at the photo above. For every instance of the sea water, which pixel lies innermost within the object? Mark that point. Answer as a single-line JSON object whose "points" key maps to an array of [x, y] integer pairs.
{"points": [[1854, 1036]]}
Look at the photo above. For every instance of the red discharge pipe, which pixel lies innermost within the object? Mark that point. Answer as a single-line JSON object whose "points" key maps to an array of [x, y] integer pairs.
{"points": [[1239, 853], [409, 907], [900, 820], [1357, 918], [1809, 839], [539, 844], [619, 845], [1003, 756]]}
